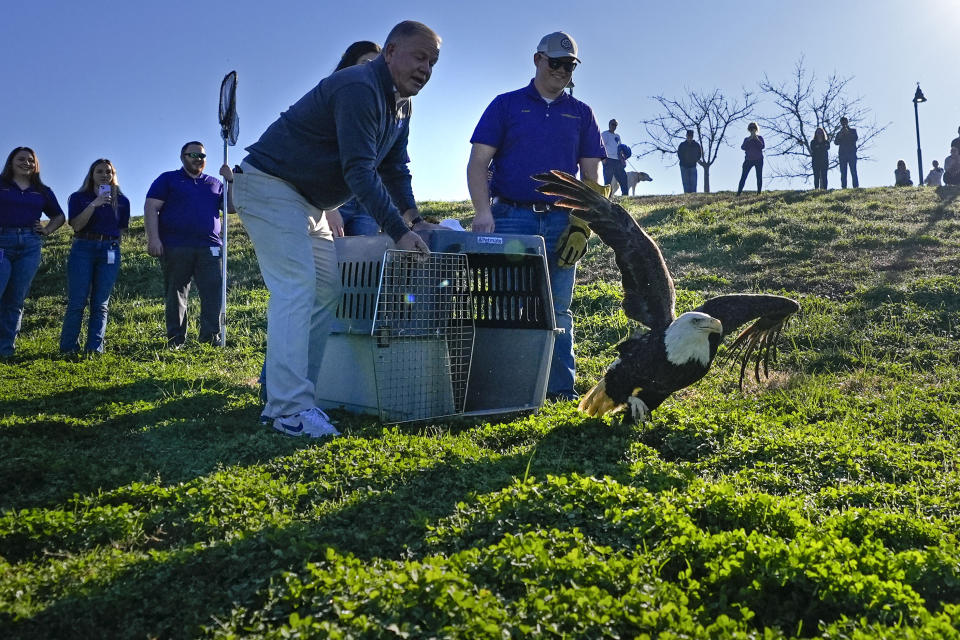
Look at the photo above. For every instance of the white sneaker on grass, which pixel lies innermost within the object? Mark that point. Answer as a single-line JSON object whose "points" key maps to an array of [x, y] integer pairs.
{"points": [[312, 423]]}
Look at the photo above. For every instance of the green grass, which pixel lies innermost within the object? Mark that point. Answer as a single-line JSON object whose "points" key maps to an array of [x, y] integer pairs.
{"points": [[141, 499]]}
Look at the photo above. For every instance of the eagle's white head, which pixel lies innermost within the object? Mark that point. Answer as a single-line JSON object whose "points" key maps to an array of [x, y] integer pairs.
{"points": [[687, 337]]}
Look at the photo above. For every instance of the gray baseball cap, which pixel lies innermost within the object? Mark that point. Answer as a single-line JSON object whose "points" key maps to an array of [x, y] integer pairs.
{"points": [[558, 45]]}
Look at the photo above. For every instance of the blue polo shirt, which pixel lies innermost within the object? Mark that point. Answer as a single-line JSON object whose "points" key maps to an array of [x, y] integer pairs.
{"points": [[22, 207], [532, 136], [190, 215], [103, 220]]}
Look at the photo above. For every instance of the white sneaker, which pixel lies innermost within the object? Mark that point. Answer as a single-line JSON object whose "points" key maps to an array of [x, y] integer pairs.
{"points": [[312, 423]]}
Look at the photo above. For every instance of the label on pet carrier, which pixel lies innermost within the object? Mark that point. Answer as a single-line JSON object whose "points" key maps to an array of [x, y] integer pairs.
{"points": [[489, 240]]}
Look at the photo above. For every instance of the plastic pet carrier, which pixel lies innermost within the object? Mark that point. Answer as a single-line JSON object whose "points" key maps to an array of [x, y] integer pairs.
{"points": [[467, 331]]}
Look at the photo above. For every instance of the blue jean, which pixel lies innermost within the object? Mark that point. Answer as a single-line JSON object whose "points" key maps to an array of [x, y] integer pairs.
{"points": [[613, 167], [356, 220], [21, 259], [850, 161], [688, 175], [550, 225], [90, 277]]}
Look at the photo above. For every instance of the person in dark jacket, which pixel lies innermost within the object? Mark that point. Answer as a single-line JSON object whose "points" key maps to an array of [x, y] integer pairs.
{"points": [[753, 157], [846, 139], [689, 153], [819, 149], [347, 137]]}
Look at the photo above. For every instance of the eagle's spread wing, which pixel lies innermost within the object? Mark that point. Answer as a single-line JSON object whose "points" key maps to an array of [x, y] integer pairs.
{"points": [[759, 340], [648, 294]]}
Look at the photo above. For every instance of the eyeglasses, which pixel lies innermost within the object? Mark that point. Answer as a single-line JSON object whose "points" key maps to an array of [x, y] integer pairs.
{"points": [[556, 63], [196, 156]]}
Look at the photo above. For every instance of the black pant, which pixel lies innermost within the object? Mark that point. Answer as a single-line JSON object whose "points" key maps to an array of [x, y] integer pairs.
{"points": [[747, 165], [819, 175], [180, 264]]}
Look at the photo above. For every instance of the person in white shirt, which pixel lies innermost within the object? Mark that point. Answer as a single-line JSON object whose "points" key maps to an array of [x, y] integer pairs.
{"points": [[613, 165], [935, 175]]}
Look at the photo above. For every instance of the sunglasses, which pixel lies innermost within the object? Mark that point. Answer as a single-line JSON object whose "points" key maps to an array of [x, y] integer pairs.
{"points": [[557, 63], [196, 156]]}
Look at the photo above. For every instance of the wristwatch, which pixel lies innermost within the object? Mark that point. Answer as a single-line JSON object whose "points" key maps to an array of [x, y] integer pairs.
{"points": [[415, 221]]}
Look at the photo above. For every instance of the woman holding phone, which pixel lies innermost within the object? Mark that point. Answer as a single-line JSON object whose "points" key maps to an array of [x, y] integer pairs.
{"points": [[98, 213], [23, 198]]}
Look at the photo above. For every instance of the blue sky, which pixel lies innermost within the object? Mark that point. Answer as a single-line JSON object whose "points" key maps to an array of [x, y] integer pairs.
{"points": [[133, 81]]}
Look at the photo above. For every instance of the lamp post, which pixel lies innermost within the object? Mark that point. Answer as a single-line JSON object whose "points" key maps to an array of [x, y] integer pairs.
{"points": [[918, 97]]}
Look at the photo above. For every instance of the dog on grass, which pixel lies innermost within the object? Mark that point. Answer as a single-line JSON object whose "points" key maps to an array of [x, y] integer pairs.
{"points": [[633, 177]]}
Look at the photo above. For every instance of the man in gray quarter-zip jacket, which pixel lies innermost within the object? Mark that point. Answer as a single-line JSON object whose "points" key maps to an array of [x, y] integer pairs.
{"points": [[347, 137]]}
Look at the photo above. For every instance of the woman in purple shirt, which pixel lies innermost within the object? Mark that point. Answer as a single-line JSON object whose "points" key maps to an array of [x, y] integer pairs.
{"points": [[753, 157], [23, 198], [98, 214]]}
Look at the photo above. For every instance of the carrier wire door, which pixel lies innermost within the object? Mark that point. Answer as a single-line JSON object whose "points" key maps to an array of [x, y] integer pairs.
{"points": [[423, 334]]}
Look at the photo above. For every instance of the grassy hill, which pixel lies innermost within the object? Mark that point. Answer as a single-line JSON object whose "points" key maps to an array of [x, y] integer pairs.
{"points": [[141, 499]]}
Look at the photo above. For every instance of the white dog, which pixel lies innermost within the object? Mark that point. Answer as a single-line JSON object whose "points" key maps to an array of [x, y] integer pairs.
{"points": [[633, 177]]}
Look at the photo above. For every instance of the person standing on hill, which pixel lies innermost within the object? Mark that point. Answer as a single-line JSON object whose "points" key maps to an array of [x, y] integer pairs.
{"points": [[98, 213], [347, 137], [819, 158], [614, 165], [23, 199], [956, 141], [689, 153], [181, 217], [529, 131], [753, 157], [846, 139]]}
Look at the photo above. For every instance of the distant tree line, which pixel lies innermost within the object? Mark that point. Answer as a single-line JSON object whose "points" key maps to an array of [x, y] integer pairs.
{"points": [[800, 105]]}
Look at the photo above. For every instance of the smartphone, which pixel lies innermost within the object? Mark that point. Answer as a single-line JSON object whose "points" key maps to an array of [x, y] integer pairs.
{"points": [[104, 189]]}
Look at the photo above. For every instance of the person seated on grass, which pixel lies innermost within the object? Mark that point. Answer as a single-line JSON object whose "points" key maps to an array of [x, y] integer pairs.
{"points": [[951, 167], [935, 177], [901, 175]]}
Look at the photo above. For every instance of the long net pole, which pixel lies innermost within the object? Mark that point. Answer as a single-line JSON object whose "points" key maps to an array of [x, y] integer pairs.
{"points": [[223, 256]]}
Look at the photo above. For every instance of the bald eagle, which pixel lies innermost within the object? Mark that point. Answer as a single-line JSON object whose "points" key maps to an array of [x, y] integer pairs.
{"points": [[677, 351]]}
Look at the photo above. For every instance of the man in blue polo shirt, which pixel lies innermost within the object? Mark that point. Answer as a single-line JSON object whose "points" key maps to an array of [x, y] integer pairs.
{"points": [[347, 137], [522, 133], [182, 221]]}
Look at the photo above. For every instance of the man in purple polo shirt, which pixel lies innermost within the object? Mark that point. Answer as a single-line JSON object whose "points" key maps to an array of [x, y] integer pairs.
{"points": [[182, 221], [522, 133]]}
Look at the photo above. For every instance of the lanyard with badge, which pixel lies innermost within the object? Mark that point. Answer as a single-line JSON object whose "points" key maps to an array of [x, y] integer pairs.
{"points": [[113, 191]]}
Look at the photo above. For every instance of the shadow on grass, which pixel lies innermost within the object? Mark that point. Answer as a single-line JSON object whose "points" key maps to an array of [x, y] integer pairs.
{"points": [[52, 457], [203, 579]]}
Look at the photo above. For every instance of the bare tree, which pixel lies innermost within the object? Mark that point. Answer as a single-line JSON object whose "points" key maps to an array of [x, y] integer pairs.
{"points": [[707, 114], [802, 105]]}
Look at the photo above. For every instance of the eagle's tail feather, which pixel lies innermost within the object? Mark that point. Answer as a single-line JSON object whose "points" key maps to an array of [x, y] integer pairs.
{"points": [[597, 402]]}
